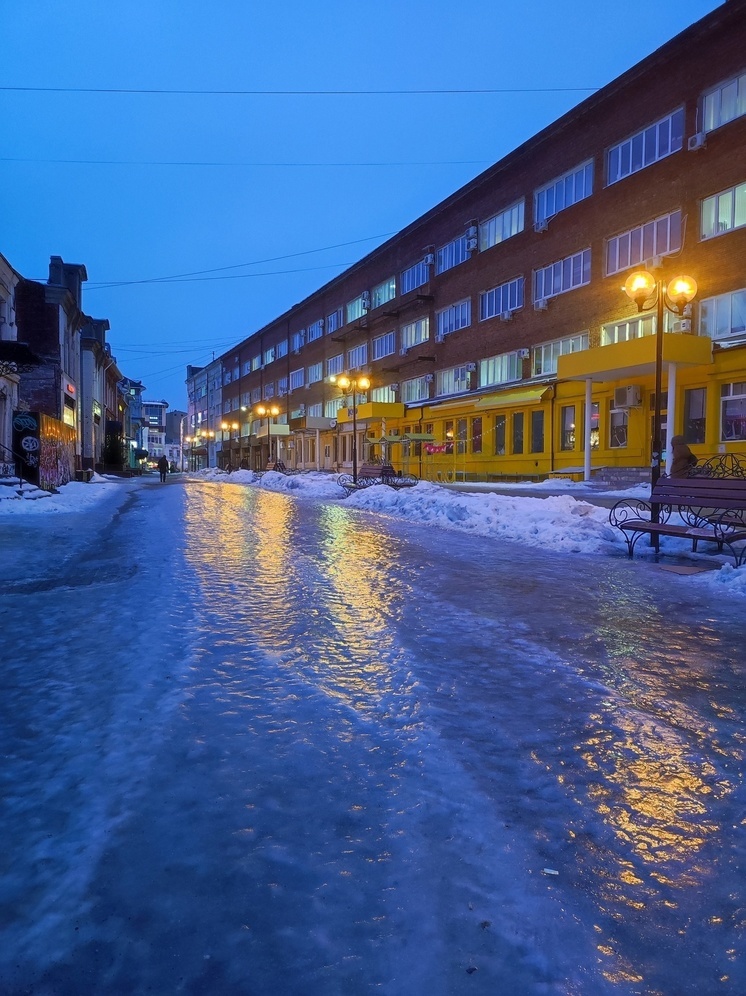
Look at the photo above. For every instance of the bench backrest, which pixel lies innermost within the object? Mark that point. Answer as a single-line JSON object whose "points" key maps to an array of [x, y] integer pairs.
{"points": [[701, 492], [376, 470]]}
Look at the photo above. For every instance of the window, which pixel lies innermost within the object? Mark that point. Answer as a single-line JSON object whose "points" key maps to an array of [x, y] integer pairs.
{"points": [[458, 316], [617, 427], [506, 297], [537, 431], [357, 356], [725, 102], [724, 211], [461, 434], [315, 373], [315, 411], [723, 316], [415, 276], [383, 293], [695, 414], [500, 369], [646, 147], [297, 339], [282, 348], [332, 407], [282, 386], [454, 381], [634, 328], [417, 389], [256, 395], [316, 330], [256, 362], [655, 238], [296, 379], [451, 255], [563, 192], [545, 356], [384, 345], [476, 434], [247, 367], [387, 393], [499, 435], [564, 275], [335, 364], [502, 226], [415, 333], [269, 391], [518, 432], [733, 415], [269, 355], [567, 439], [334, 321], [357, 308]]}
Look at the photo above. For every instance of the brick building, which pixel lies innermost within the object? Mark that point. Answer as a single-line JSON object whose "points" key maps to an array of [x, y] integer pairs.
{"points": [[494, 329]]}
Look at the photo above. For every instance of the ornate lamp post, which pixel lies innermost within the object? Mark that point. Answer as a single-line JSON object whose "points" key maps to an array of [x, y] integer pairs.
{"points": [[352, 385], [268, 412], [643, 288], [227, 427]]}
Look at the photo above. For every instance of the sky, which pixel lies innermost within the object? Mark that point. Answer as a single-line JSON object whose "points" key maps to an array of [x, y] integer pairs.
{"points": [[251, 201], [562, 523]]}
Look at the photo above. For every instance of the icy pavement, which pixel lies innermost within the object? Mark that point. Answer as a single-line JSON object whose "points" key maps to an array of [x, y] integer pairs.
{"points": [[259, 745]]}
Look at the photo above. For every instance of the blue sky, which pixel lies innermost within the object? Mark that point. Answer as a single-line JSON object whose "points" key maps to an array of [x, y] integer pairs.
{"points": [[86, 175]]}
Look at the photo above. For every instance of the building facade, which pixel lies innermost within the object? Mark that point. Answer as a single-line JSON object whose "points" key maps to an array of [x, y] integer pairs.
{"points": [[494, 330]]}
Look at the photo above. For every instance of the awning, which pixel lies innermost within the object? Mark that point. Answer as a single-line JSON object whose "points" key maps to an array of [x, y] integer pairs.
{"points": [[418, 437], [199, 451], [528, 396], [383, 439]]}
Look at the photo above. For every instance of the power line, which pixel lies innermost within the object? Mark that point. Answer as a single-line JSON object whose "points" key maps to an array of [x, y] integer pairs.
{"points": [[296, 93], [242, 165]]}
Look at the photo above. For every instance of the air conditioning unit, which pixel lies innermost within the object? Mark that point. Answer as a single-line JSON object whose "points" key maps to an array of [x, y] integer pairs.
{"points": [[471, 232], [627, 397], [365, 300], [506, 316], [429, 378], [654, 263], [471, 367], [439, 337], [471, 244], [282, 392], [696, 141], [394, 387], [541, 226], [302, 409], [296, 352], [541, 305], [308, 387], [403, 351], [429, 259], [683, 325], [524, 353]]}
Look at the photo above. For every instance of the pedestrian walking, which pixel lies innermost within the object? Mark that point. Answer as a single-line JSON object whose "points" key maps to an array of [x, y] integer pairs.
{"points": [[683, 458], [163, 467]]}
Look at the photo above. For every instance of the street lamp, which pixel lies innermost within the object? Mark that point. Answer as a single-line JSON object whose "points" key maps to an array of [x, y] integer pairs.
{"points": [[227, 427], [352, 385], [643, 288], [269, 412]]}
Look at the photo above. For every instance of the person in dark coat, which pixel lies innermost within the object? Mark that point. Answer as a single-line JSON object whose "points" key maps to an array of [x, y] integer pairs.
{"points": [[163, 467], [683, 458]]}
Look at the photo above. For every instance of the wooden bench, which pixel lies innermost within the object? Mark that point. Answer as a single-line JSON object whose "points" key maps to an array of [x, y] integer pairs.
{"points": [[711, 510], [371, 474]]}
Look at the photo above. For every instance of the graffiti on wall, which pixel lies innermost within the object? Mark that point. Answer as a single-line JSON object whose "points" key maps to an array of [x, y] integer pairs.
{"points": [[45, 449]]}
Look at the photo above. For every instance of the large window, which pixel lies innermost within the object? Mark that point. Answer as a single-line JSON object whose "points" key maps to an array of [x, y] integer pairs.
{"points": [[297, 339], [567, 438], [334, 321], [282, 348], [269, 355], [415, 332], [633, 328], [655, 238], [383, 293], [386, 394], [646, 147], [476, 434], [723, 316], [724, 211], [451, 255], [357, 308], [501, 226], [316, 330], [458, 316], [733, 415], [417, 389], [335, 364], [507, 297], [695, 414], [456, 380], [500, 369], [297, 378], [499, 434], [564, 275], [537, 431], [315, 373], [725, 102], [545, 356], [384, 345], [563, 192], [415, 276], [357, 356], [518, 420]]}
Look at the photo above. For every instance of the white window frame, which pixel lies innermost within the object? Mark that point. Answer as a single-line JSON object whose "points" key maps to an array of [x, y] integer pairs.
{"points": [[544, 356], [414, 333], [357, 308], [282, 348], [454, 380], [297, 378], [724, 103], [505, 297], [269, 355], [717, 316], [335, 364], [414, 390], [453, 318], [334, 321], [563, 191], [505, 368], [659, 237], [452, 254], [383, 293], [315, 330], [657, 141], [563, 275], [385, 394], [414, 276], [297, 340], [735, 391], [723, 212], [357, 356], [315, 373], [502, 226], [384, 345], [631, 328]]}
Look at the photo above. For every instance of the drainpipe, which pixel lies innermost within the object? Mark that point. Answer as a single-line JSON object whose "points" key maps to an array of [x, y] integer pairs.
{"points": [[587, 429]]}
